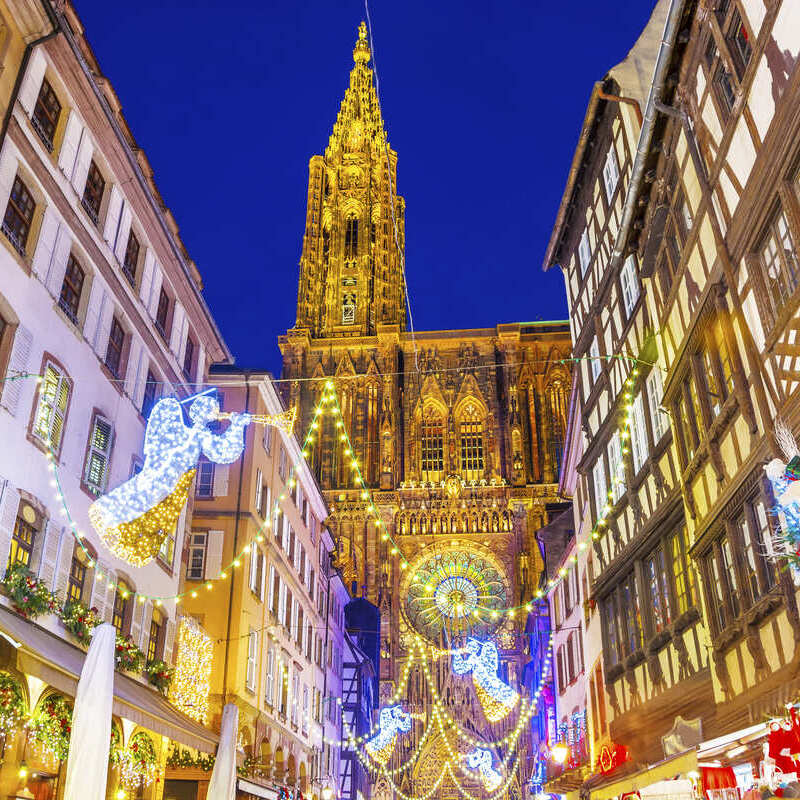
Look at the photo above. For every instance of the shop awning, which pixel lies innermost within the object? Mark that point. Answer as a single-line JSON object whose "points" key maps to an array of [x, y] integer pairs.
{"points": [[58, 663], [257, 791], [679, 764]]}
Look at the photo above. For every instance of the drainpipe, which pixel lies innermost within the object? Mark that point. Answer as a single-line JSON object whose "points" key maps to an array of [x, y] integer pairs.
{"points": [[646, 133], [616, 98], [235, 543], [23, 67]]}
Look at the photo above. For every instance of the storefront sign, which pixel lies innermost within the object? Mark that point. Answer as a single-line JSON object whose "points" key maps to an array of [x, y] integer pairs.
{"points": [[611, 756]]}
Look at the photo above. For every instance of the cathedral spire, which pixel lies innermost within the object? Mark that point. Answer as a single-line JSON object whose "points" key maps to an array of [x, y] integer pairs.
{"points": [[351, 275]]}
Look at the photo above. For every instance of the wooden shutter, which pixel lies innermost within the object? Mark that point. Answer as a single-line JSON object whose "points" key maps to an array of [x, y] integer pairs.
{"points": [[98, 455], [169, 641], [112, 216], [64, 565], [121, 244], [8, 170], [32, 82], [94, 309], [214, 553], [46, 243], [263, 575], [271, 595], [51, 410], [178, 316], [85, 151], [146, 285], [104, 327], [98, 596], [132, 370], [19, 362], [155, 289], [58, 263], [141, 611], [70, 143], [220, 480], [181, 353], [259, 490], [253, 568], [9, 506], [50, 552]]}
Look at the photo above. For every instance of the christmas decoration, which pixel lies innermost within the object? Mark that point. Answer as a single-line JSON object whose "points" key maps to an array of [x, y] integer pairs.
{"points": [[159, 674], [785, 479], [51, 726], [12, 704], [610, 757], [29, 596], [392, 720], [482, 659], [128, 656], [481, 760], [138, 763], [191, 682], [178, 757], [79, 620], [133, 519]]}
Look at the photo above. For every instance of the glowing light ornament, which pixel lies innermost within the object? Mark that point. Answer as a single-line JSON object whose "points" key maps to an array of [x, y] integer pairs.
{"points": [[785, 479], [134, 519], [497, 699], [392, 720], [191, 683], [481, 760]]}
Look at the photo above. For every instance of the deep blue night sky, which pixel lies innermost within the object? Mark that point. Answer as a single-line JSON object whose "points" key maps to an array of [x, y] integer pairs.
{"points": [[483, 102]]}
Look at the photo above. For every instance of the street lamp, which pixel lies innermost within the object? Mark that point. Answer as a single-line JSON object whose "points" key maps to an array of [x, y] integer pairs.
{"points": [[327, 793], [559, 752]]}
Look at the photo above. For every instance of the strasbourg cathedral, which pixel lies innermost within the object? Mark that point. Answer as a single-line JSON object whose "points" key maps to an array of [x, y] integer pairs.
{"points": [[459, 433]]}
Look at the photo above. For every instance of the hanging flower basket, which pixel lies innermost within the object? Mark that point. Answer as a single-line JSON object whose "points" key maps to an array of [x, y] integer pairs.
{"points": [[12, 704], [159, 674], [29, 596], [51, 726], [79, 620], [128, 656]]}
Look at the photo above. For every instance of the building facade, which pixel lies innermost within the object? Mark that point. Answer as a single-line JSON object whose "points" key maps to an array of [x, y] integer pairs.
{"points": [[101, 313], [678, 238], [275, 617], [458, 435]]}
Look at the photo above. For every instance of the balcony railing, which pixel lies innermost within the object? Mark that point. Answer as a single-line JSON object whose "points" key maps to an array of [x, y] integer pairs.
{"points": [[12, 237], [89, 209]]}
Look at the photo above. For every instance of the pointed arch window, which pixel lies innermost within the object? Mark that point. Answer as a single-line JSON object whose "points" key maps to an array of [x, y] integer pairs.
{"points": [[556, 409], [432, 445], [326, 246], [471, 439], [351, 237], [349, 309]]}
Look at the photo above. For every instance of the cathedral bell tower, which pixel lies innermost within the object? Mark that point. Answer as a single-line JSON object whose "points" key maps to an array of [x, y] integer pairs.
{"points": [[351, 275]]}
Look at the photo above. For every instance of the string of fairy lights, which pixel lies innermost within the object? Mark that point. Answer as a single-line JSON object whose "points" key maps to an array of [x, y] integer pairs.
{"points": [[329, 403]]}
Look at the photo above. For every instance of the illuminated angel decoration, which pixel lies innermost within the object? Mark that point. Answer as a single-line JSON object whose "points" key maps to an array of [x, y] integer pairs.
{"points": [[497, 699], [392, 720], [481, 760], [785, 479], [133, 519]]}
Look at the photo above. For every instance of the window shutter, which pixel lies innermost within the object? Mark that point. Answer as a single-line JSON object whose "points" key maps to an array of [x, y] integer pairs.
{"points": [[155, 290], [271, 595], [8, 170], [262, 588], [85, 151], [178, 315], [259, 490], [200, 372], [221, 480], [65, 563], [112, 216], [98, 596], [121, 244], [70, 143], [214, 553], [46, 243], [104, 327], [140, 611], [146, 285], [58, 263], [32, 82], [253, 568], [98, 454], [9, 505], [181, 352], [132, 369], [19, 362], [50, 552], [169, 641], [97, 300]]}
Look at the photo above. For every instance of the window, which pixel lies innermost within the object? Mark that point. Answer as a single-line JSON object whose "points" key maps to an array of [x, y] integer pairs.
{"points": [[432, 445], [351, 238], [594, 358], [631, 616], [98, 455], [166, 552], [736, 37], [655, 576], [616, 467], [778, 257], [54, 394], [610, 172], [723, 89], [204, 486], [269, 683], [196, 564], [611, 626], [252, 656], [349, 309], [19, 215], [688, 418], [282, 464], [150, 394], [119, 615], [728, 568], [76, 580], [162, 312], [188, 359], [71, 289], [256, 569], [753, 528], [93, 192], [116, 340], [600, 488], [156, 635], [471, 436], [584, 252], [22, 541], [681, 572], [131, 259], [267, 441], [638, 433], [45, 114], [655, 395], [630, 284]]}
